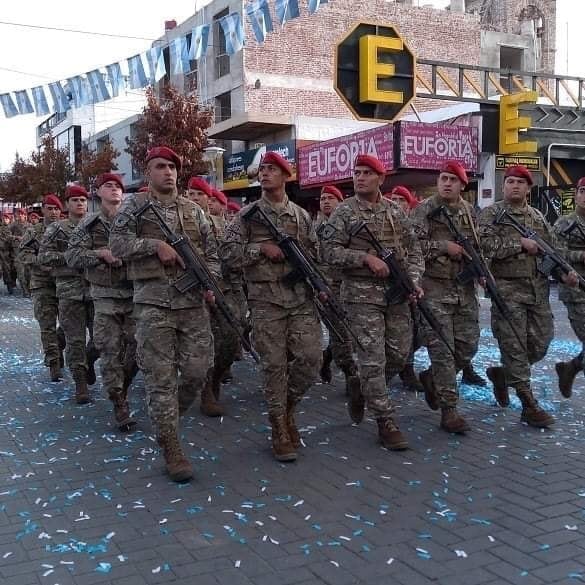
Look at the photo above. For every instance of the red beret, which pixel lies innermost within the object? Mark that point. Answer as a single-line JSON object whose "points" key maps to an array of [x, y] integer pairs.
{"points": [[105, 177], [332, 190], [581, 182], [164, 152], [454, 167], [200, 185], [401, 191], [75, 191], [143, 189], [520, 172], [233, 206], [219, 195], [21, 211], [52, 199], [367, 160], [33, 215], [6, 214], [274, 158]]}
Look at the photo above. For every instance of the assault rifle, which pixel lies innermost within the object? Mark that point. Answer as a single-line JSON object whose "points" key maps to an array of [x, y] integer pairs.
{"points": [[197, 274], [551, 259], [304, 269], [402, 286], [477, 269]]}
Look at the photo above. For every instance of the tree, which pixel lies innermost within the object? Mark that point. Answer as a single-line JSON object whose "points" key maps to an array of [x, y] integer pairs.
{"points": [[15, 186], [96, 162], [52, 169], [176, 121]]}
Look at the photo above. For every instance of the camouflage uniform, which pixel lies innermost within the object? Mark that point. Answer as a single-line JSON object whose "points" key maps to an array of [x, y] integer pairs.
{"points": [[111, 292], [6, 258], [382, 324], [43, 291], [18, 230], [173, 332], [454, 304], [525, 289], [75, 306]]}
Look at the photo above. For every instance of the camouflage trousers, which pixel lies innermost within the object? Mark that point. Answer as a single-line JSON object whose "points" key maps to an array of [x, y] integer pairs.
{"points": [[225, 340], [535, 325], [76, 319], [385, 333], [417, 338], [8, 271], [46, 312], [174, 351], [342, 352], [114, 338], [460, 323], [576, 314], [23, 273], [289, 344]]}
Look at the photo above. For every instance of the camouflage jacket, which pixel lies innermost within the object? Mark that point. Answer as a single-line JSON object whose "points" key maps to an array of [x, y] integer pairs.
{"points": [[569, 231], [440, 280], [516, 272], [331, 273], [5, 240], [135, 241], [28, 250], [264, 279], [70, 282], [106, 281], [346, 250]]}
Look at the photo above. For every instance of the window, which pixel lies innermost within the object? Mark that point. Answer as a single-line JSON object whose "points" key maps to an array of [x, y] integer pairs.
{"points": [[511, 58], [222, 59], [102, 142], [223, 107], [190, 79]]}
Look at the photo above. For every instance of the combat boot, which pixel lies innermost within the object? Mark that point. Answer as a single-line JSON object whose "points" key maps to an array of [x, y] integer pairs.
{"points": [[55, 371], [124, 420], [177, 465], [497, 376], [209, 405], [291, 426], [452, 421], [428, 384], [282, 446], [355, 400], [61, 343], [81, 390], [92, 356], [226, 378], [470, 376], [532, 414], [409, 379], [325, 371], [566, 371], [390, 435]]}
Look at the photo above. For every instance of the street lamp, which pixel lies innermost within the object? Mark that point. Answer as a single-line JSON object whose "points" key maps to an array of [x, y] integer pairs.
{"points": [[213, 154]]}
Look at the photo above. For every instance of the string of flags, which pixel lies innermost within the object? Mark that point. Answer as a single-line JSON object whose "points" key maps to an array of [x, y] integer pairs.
{"points": [[149, 67]]}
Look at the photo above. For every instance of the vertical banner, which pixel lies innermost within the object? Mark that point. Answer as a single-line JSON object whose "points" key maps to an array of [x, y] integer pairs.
{"points": [[97, 85], [60, 102], [10, 109], [199, 42], [136, 70], [115, 78], [40, 101], [23, 102], [286, 10], [233, 31], [260, 20]]}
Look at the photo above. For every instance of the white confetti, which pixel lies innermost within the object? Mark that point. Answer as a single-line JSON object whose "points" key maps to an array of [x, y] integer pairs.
{"points": [[299, 503], [237, 564], [491, 539], [390, 561], [6, 555], [156, 570], [273, 541], [121, 558], [461, 553], [47, 573], [570, 527], [163, 521], [334, 563]]}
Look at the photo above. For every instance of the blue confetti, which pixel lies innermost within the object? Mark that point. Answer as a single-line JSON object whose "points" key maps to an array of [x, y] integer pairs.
{"points": [[104, 568]]}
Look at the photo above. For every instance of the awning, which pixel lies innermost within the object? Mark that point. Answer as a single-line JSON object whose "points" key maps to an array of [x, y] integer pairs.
{"points": [[249, 126]]}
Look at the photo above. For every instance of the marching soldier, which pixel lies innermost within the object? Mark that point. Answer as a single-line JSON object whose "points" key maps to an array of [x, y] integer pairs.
{"points": [[383, 325], [18, 228], [6, 254], [286, 329], [111, 293], [173, 332]]}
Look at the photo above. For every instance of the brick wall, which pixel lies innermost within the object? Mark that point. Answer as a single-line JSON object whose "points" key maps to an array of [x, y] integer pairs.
{"points": [[299, 59]]}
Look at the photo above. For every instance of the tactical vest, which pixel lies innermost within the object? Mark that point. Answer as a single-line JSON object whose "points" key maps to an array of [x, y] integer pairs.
{"points": [[147, 226], [104, 274], [387, 229], [61, 240], [575, 241], [444, 267], [39, 278], [520, 265], [217, 225]]}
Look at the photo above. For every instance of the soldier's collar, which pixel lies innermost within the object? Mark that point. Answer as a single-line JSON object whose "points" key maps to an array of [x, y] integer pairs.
{"points": [[278, 207], [364, 204]]}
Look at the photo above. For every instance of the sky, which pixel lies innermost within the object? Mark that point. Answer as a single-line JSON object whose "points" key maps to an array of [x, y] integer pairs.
{"points": [[33, 56]]}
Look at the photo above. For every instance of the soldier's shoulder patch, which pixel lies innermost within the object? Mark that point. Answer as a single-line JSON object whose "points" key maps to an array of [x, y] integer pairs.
{"points": [[327, 231]]}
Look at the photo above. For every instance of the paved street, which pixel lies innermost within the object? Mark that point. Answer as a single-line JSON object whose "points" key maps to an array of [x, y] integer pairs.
{"points": [[82, 504]]}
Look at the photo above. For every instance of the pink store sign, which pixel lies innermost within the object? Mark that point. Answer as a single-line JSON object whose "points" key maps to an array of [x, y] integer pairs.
{"points": [[428, 146], [332, 160]]}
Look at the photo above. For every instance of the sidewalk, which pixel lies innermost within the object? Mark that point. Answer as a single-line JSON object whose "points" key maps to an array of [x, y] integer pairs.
{"points": [[81, 503]]}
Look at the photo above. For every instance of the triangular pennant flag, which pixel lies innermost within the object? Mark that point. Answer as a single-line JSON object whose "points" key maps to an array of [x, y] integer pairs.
{"points": [[199, 42], [23, 102], [156, 64], [115, 78], [78, 89], [179, 56], [137, 75], [233, 31], [40, 101], [287, 10], [10, 109], [260, 20], [60, 102], [97, 85], [314, 5]]}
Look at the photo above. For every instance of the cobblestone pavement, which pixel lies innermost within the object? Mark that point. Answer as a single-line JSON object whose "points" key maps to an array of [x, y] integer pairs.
{"points": [[82, 504]]}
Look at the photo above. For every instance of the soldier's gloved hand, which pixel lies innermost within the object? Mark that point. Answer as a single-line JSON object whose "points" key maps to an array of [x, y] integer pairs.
{"points": [[529, 246], [272, 252], [209, 297], [167, 255], [106, 255], [378, 267], [571, 279], [455, 251]]}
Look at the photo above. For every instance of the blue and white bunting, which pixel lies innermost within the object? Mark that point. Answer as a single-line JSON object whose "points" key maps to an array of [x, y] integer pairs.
{"points": [[286, 10], [180, 56], [234, 32], [97, 86], [137, 77], [199, 42], [260, 20], [60, 102], [40, 101], [115, 78], [78, 88], [156, 64], [314, 5], [10, 109], [23, 102]]}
